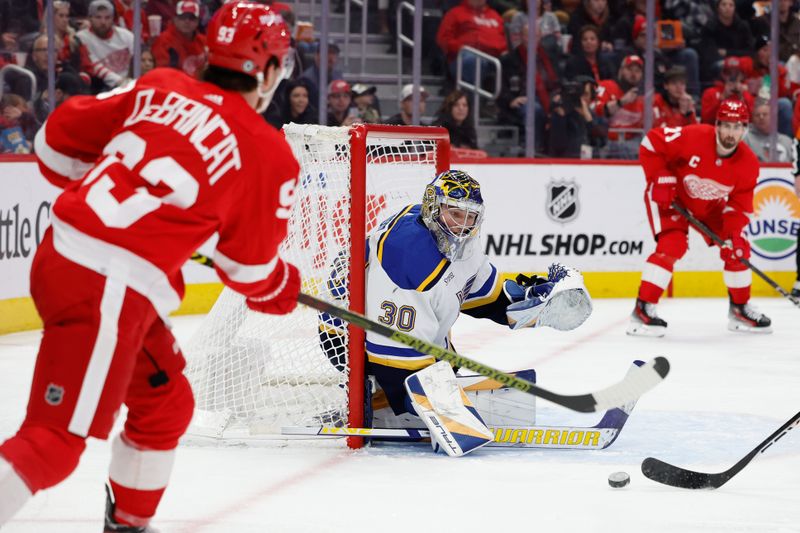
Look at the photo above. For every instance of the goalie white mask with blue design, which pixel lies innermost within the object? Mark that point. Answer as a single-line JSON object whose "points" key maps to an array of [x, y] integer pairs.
{"points": [[452, 209]]}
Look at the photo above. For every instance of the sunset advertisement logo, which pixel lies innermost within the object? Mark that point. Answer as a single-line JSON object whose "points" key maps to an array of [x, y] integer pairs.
{"points": [[773, 231]]}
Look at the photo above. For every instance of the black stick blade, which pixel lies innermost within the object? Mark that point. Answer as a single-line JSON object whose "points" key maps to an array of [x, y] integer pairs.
{"points": [[676, 476]]}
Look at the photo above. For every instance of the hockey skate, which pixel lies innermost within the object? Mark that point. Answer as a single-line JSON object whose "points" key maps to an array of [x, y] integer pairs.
{"points": [[796, 289], [645, 322], [745, 317], [112, 526]]}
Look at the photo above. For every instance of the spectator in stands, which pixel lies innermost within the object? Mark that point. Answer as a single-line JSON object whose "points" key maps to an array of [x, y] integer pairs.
{"points": [[471, 23], [621, 102], [36, 63], [730, 86], [298, 108], [17, 125], [405, 116], [592, 13], [586, 60], [665, 58], [9, 43], [181, 45], [513, 99], [757, 137], [68, 47], [123, 10], [575, 131], [67, 84], [673, 107], [756, 70], [454, 115], [726, 36], [364, 101], [789, 25], [340, 112], [311, 74], [164, 8], [516, 19], [107, 48], [147, 61]]}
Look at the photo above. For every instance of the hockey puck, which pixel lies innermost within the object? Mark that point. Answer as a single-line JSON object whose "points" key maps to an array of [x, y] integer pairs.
{"points": [[619, 479]]}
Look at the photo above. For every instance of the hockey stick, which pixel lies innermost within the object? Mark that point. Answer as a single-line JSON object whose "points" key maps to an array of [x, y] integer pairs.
{"points": [[702, 228], [630, 388], [676, 476]]}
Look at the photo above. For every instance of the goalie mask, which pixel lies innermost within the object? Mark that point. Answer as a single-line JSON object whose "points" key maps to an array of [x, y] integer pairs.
{"points": [[452, 209]]}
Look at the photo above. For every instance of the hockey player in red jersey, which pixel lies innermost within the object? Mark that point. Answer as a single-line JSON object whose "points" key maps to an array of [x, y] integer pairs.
{"points": [[150, 171], [709, 171]]}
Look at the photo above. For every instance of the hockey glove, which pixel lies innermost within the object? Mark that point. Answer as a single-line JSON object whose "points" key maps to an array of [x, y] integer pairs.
{"points": [[561, 302], [665, 190], [281, 300], [734, 249]]}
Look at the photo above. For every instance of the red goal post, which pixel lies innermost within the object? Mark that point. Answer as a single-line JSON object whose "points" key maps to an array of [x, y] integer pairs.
{"points": [[359, 136]]}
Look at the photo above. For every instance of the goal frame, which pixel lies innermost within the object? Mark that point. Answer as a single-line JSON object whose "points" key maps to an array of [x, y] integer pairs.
{"points": [[359, 136]]}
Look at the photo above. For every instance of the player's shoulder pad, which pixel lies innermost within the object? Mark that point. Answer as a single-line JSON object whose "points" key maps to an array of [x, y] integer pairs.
{"points": [[408, 253]]}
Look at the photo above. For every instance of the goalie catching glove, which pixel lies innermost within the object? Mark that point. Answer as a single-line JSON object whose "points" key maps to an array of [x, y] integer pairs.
{"points": [[559, 301]]}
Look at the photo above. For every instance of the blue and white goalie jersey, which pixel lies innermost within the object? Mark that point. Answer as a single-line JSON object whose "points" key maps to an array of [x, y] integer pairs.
{"points": [[413, 288]]}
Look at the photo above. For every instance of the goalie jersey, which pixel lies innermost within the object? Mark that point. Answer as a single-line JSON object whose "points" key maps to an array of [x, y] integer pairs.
{"points": [[413, 288]]}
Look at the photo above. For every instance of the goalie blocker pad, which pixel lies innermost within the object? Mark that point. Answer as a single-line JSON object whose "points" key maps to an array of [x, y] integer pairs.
{"points": [[565, 307], [443, 406]]}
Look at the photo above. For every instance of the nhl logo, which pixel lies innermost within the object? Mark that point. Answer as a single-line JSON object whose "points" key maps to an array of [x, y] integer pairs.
{"points": [[54, 394], [562, 200]]}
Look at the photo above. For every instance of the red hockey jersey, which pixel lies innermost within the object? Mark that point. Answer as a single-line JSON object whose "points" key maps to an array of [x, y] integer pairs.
{"points": [[152, 170], [706, 182]]}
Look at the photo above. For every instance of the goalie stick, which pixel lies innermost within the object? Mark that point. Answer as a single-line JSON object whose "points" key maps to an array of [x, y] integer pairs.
{"points": [[634, 385], [676, 476], [702, 228]]}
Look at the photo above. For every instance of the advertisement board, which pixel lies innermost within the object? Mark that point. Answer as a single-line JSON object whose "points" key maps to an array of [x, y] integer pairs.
{"points": [[589, 216]]}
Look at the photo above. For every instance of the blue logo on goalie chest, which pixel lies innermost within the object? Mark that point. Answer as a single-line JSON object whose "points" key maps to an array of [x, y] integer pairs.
{"points": [[562, 200]]}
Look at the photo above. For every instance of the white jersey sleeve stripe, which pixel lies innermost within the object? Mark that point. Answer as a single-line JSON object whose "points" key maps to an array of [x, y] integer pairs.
{"points": [[241, 273], [59, 163]]}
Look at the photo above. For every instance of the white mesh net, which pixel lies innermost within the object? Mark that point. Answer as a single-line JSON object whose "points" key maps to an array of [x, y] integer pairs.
{"points": [[253, 373]]}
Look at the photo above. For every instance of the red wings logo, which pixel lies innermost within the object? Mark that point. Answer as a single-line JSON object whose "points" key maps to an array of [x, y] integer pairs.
{"points": [[705, 189]]}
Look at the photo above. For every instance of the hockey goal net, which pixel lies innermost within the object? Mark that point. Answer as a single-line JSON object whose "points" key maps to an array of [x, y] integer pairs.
{"points": [[253, 373]]}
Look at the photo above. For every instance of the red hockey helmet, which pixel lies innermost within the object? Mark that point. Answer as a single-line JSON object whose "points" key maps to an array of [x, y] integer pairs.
{"points": [[733, 111], [243, 37]]}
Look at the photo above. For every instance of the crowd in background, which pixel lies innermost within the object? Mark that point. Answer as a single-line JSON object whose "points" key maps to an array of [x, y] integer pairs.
{"points": [[589, 79]]}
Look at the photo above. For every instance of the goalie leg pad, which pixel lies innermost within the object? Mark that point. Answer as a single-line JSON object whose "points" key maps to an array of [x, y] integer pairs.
{"points": [[443, 406], [497, 404]]}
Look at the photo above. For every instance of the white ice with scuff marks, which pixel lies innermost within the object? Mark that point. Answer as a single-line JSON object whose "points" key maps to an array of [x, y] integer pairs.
{"points": [[726, 392]]}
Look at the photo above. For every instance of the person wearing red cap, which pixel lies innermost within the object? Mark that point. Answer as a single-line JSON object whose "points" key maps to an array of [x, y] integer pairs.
{"points": [[712, 173], [730, 86], [150, 171], [181, 46], [622, 103], [339, 104]]}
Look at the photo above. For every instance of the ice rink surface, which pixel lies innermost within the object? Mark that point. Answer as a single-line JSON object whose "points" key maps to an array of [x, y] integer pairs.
{"points": [[726, 392]]}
